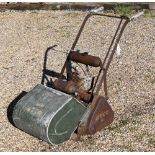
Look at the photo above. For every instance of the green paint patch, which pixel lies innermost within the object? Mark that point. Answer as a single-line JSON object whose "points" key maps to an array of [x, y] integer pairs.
{"points": [[65, 122]]}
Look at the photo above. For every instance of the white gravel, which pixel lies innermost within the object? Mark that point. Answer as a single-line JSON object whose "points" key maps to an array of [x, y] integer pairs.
{"points": [[24, 37]]}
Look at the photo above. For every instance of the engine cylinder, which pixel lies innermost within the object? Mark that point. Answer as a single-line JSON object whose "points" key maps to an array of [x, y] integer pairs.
{"points": [[85, 59]]}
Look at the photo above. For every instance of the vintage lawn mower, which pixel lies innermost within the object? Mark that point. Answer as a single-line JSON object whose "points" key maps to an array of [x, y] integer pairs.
{"points": [[69, 104]]}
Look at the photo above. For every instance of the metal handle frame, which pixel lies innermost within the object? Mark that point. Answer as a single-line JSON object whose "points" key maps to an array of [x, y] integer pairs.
{"points": [[124, 20]]}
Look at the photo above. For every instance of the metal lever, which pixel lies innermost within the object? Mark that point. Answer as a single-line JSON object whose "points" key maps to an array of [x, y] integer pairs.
{"points": [[97, 10], [136, 15]]}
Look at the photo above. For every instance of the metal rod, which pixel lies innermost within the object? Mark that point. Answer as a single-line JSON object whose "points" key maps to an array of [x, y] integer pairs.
{"points": [[116, 43], [80, 31], [112, 42], [102, 67], [67, 63], [111, 57], [111, 16], [45, 63]]}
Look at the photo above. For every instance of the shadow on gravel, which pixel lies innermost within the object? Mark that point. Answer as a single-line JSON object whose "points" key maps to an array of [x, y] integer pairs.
{"points": [[12, 105]]}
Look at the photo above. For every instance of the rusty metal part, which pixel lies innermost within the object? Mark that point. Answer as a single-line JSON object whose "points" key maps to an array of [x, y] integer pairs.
{"points": [[78, 82], [101, 116], [85, 59], [67, 62], [108, 52], [98, 117], [71, 87], [45, 65], [84, 95], [75, 77], [117, 39], [108, 58], [68, 87], [104, 62], [81, 93]]}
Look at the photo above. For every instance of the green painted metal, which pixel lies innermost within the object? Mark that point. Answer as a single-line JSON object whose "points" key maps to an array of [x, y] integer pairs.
{"points": [[48, 114], [65, 122]]}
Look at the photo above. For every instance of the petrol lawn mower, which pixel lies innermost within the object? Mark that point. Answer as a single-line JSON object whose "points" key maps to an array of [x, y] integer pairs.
{"points": [[71, 103]]}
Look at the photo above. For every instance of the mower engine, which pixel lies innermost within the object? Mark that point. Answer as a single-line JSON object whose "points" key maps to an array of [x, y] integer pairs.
{"points": [[79, 85]]}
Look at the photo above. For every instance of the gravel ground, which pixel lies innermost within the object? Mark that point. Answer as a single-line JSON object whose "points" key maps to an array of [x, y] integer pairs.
{"points": [[25, 37]]}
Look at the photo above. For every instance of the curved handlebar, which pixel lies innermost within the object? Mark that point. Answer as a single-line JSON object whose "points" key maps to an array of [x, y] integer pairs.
{"points": [[137, 15], [97, 10]]}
